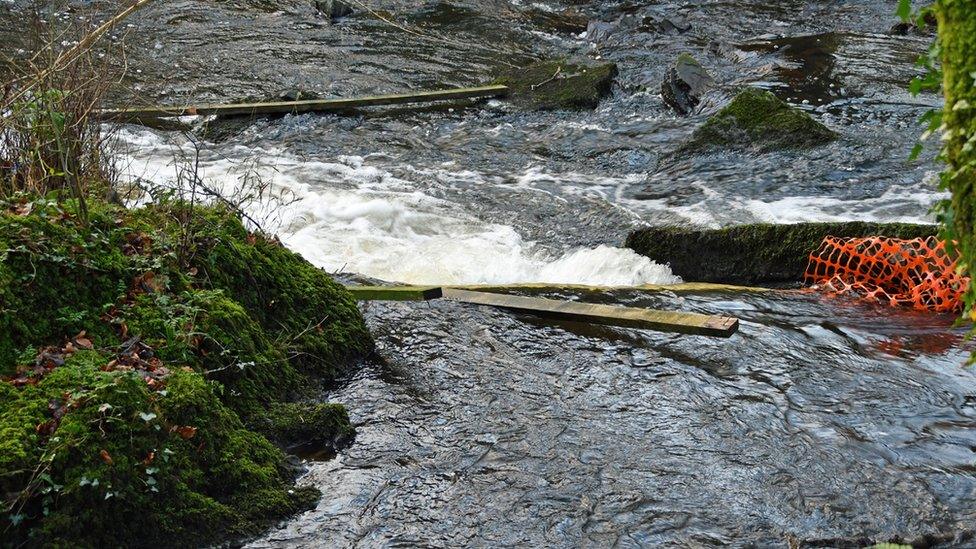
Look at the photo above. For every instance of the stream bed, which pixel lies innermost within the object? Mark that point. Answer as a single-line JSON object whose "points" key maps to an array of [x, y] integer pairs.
{"points": [[821, 423]]}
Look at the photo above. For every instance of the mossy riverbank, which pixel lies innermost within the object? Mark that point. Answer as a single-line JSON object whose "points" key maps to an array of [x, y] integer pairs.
{"points": [[149, 357]]}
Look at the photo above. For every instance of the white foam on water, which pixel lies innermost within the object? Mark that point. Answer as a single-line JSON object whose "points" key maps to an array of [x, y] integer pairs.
{"points": [[905, 204], [358, 218]]}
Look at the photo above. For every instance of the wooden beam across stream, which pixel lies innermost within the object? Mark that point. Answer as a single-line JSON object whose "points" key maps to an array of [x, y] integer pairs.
{"points": [[609, 315], [310, 105]]}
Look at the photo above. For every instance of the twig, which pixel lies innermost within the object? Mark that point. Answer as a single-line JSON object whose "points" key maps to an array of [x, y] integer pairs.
{"points": [[68, 57], [559, 69]]}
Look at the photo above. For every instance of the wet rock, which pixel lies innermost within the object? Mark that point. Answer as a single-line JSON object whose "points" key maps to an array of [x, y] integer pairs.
{"points": [[599, 31], [334, 9], [751, 254], [760, 121], [568, 21], [553, 85], [924, 27], [298, 94], [684, 84]]}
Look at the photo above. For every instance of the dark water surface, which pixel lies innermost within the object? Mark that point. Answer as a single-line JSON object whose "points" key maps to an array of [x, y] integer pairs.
{"points": [[822, 423]]}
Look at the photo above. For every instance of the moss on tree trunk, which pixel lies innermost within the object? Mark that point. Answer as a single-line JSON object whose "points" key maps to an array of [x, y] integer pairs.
{"points": [[957, 37]]}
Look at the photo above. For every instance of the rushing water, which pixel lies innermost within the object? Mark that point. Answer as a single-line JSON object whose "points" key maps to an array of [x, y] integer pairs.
{"points": [[822, 423]]}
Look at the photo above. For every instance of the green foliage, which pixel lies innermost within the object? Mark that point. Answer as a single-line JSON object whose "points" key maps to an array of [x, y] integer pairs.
{"points": [[956, 49], [950, 67]]}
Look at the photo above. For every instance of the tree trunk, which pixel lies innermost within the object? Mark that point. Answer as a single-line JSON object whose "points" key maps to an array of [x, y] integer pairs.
{"points": [[957, 38]]}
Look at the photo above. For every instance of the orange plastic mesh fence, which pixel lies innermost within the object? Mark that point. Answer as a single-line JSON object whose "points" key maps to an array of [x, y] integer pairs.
{"points": [[919, 272]]}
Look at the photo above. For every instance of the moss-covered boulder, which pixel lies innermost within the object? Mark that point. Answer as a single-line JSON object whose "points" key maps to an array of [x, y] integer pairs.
{"points": [[141, 355], [95, 458], [553, 85], [753, 254], [758, 120], [291, 424]]}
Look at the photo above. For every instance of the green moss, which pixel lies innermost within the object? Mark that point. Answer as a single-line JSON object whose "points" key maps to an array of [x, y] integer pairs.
{"points": [[136, 437], [759, 120], [316, 318], [748, 254], [552, 85], [957, 43], [56, 277], [291, 424], [118, 471], [213, 334]]}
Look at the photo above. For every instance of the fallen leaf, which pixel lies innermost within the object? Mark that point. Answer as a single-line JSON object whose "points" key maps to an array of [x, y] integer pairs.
{"points": [[84, 343], [186, 432], [23, 209], [106, 457]]}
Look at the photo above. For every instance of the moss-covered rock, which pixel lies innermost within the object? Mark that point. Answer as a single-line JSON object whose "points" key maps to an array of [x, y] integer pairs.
{"points": [[553, 85], [751, 254], [297, 423], [134, 349], [315, 318], [758, 120], [120, 463]]}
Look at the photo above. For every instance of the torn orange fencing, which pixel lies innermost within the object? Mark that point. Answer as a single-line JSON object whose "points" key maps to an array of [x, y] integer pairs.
{"points": [[919, 273]]}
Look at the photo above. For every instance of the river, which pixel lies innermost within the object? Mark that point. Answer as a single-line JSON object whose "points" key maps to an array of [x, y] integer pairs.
{"points": [[822, 423]]}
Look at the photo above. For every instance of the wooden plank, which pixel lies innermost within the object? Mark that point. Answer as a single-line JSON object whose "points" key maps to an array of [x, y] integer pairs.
{"points": [[628, 317], [313, 105], [415, 293], [682, 288], [395, 293]]}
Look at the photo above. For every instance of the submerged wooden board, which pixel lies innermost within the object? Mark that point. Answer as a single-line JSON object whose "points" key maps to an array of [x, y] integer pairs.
{"points": [[416, 293], [628, 317], [682, 288], [395, 293], [313, 105]]}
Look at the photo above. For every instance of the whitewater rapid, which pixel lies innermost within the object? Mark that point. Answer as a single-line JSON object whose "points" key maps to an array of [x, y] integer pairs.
{"points": [[347, 216]]}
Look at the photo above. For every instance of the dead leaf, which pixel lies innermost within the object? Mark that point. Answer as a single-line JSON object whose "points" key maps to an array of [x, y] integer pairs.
{"points": [[106, 457], [84, 343], [186, 432], [23, 209]]}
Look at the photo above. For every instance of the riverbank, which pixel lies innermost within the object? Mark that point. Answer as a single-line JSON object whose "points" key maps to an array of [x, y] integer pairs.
{"points": [[150, 356]]}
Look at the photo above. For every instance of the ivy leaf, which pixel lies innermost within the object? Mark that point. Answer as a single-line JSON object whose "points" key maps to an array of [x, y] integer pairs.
{"points": [[916, 151], [904, 10], [915, 86]]}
